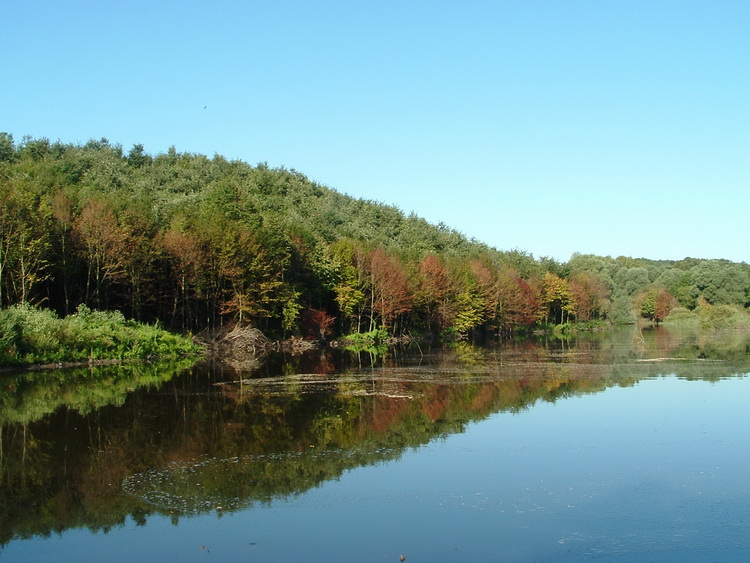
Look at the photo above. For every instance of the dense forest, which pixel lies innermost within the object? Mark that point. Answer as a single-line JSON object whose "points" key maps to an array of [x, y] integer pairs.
{"points": [[199, 243]]}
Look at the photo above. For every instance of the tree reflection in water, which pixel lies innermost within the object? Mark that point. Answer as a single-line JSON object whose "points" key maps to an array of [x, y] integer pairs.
{"points": [[90, 448]]}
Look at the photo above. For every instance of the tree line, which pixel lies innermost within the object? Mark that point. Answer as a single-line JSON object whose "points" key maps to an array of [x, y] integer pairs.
{"points": [[198, 243]]}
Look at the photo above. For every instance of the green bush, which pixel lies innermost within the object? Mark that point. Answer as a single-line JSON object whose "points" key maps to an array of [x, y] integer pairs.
{"points": [[374, 341], [11, 331], [31, 336], [722, 316], [681, 316]]}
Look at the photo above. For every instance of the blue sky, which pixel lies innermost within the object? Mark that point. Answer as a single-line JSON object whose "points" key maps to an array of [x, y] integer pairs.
{"points": [[612, 128]]}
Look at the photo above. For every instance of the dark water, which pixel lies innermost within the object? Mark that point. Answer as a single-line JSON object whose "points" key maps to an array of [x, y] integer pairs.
{"points": [[628, 446]]}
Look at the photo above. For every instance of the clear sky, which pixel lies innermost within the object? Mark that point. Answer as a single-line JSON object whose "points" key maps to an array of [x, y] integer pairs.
{"points": [[605, 127]]}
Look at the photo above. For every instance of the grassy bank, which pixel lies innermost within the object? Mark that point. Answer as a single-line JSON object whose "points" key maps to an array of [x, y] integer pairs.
{"points": [[31, 336]]}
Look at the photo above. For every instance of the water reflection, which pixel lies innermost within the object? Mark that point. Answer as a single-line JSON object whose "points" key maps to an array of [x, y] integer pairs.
{"points": [[95, 448]]}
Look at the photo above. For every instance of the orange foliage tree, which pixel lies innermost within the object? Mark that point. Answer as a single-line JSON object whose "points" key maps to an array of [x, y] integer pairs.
{"points": [[391, 294], [519, 303], [187, 258], [588, 295], [101, 243], [433, 292]]}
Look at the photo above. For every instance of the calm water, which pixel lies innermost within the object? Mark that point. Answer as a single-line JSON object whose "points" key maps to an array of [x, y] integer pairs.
{"points": [[630, 446]]}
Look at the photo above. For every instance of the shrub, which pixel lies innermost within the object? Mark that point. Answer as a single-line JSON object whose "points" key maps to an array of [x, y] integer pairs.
{"points": [[681, 316], [29, 335], [11, 331], [373, 341], [721, 316]]}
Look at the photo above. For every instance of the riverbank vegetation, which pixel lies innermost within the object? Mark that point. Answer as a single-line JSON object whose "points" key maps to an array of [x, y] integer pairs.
{"points": [[38, 336], [198, 243]]}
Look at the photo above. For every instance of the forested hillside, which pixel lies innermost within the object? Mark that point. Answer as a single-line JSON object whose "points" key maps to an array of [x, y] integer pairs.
{"points": [[197, 242]]}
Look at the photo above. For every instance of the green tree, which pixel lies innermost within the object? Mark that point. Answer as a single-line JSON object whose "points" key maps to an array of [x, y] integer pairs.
{"points": [[720, 282], [468, 301], [62, 214], [631, 280], [680, 284], [352, 284], [252, 279], [7, 147], [25, 223], [140, 242], [137, 156], [621, 311]]}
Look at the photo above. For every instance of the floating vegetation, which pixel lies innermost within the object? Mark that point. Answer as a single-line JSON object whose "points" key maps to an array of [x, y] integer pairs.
{"points": [[392, 382], [190, 487]]}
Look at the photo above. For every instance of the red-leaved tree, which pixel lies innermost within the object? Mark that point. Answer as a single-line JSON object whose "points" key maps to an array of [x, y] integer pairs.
{"points": [[391, 295]]}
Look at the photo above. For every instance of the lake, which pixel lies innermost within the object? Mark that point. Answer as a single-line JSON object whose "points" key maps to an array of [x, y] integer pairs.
{"points": [[629, 445]]}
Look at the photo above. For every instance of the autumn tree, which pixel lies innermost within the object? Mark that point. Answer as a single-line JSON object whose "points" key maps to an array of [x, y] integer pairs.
{"points": [[487, 286], [588, 296], [391, 294], [433, 293], [556, 298], [663, 305], [655, 304], [187, 258], [317, 324], [101, 243], [519, 305], [141, 254], [199, 241]]}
